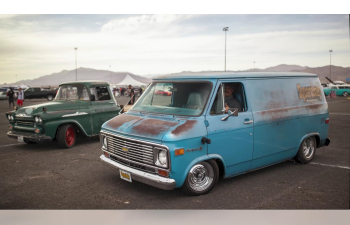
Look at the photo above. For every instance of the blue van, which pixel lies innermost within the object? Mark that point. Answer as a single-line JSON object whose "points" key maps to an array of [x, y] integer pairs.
{"points": [[216, 125]]}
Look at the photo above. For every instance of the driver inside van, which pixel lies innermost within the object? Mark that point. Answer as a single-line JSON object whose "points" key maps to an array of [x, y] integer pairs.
{"points": [[230, 101]]}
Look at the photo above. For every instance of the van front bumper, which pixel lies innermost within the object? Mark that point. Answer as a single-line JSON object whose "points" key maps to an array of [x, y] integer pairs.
{"points": [[143, 177], [37, 138]]}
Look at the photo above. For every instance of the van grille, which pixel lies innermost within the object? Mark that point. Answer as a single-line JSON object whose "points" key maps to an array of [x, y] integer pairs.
{"points": [[130, 150]]}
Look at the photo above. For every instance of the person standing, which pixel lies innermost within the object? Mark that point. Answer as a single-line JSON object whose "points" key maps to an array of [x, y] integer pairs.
{"points": [[10, 95], [132, 95], [140, 90], [20, 97]]}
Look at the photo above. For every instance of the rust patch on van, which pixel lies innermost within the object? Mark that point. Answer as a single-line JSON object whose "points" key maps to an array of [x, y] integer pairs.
{"points": [[153, 127], [188, 125], [277, 114], [121, 119]]}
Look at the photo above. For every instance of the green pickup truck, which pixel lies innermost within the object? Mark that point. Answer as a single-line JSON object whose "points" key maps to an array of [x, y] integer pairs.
{"points": [[80, 108]]}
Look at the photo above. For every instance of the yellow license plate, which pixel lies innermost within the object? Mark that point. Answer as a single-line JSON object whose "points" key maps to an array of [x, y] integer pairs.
{"points": [[125, 175]]}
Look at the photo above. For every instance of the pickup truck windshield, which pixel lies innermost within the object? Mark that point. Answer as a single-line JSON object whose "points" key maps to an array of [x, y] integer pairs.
{"points": [[176, 98], [72, 92]]}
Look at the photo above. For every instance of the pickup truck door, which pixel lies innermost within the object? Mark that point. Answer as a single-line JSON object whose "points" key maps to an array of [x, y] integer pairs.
{"points": [[37, 93], [232, 138], [102, 110]]}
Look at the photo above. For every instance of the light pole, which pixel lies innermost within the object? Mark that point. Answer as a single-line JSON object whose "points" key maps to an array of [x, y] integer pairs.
{"points": [[254, 65], [225, 29], [330, 63], [16, 78], [76, 69]]}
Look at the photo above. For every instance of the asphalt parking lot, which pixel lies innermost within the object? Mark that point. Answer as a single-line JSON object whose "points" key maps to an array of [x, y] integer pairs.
{"points": [[36, 176]]}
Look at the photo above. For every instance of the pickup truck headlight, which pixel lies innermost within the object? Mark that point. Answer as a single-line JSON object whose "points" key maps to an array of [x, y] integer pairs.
{"points": [[10, 118], [38, 120]]}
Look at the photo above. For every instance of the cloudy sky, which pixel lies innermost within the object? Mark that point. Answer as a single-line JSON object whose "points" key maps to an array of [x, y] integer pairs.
{"points": [[37, 45]]}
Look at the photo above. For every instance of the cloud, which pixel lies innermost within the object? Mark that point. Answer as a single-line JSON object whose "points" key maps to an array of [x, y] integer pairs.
{"points": [[146, 24]]}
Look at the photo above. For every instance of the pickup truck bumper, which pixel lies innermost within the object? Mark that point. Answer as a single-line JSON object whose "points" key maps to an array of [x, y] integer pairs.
{"points": [[37, 138], [143, 177]]}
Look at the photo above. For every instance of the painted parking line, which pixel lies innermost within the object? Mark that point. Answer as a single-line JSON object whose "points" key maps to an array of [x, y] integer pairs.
{"points": [[337, 101], [340, 114], [342, 167], [2, 146]]}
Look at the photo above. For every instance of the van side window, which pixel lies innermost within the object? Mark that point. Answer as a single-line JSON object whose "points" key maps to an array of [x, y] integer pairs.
{"points": [[234, 97]]}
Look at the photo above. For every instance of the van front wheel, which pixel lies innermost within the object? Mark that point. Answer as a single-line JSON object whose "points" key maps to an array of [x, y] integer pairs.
{"points": [[201, 178], [307, 150]]}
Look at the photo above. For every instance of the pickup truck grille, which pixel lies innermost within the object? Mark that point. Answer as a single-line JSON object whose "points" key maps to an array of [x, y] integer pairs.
{"points": [[25, 123], [130, 150]]}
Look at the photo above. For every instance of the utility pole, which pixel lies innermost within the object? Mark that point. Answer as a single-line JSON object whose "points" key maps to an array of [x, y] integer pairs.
{"points": [[225, 29], [254, 65], [330, 63], [76, 69]]}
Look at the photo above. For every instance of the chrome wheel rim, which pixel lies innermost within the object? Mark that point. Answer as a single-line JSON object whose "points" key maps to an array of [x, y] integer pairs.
{"points": [[308, 147], [50, 98], [201, 176], [345, 94]]}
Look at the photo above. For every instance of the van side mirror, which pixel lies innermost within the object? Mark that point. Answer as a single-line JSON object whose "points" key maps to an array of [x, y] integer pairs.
{"points": [[230, 112]]}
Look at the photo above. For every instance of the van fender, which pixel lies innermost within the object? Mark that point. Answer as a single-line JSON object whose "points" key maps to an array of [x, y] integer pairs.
{"points": [[54, 126], [317, 135], [195, 161]]}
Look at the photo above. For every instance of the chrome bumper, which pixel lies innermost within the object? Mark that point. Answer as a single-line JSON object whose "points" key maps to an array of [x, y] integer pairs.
{"points": [[143, 177]]}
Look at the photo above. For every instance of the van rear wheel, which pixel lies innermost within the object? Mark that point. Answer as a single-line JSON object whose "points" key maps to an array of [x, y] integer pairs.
{"points": [[201, 178], [307, 150]]}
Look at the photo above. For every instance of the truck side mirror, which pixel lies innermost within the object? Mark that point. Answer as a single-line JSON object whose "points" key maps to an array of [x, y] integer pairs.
{"points": [[230, 112]]}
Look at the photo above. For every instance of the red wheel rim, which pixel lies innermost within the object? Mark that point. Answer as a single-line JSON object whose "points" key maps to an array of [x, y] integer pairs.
{"points": [[70, 136]]}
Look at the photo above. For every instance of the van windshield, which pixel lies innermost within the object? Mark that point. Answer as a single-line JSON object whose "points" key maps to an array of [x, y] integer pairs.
{"points": [[176, 98]]}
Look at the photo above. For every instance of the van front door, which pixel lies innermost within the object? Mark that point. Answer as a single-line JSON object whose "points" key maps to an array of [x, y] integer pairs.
{"points": [[232, 138]]}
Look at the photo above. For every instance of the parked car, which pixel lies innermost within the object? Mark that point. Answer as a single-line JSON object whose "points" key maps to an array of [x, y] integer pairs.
{"points": [[80, 108], [162, 92], [37, 92], [3, 93], [189, 141], [343, 90]]}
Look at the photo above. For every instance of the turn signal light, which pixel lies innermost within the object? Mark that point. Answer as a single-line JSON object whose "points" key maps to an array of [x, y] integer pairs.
{"points": [[106, 154], [10, 127], [163, 173], [327, 121], [179, 151], [37, 130]]}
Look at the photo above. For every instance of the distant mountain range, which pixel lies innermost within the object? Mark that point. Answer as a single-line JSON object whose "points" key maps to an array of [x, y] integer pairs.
{"points": [[338, 73], [83, 74]]}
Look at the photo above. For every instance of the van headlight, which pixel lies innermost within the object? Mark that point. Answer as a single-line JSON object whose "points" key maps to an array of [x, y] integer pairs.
{"points": [[162, 158], [103, 140]]}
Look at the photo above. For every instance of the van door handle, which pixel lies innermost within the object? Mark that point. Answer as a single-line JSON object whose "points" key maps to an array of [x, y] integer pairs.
{"points": [[248, 122]]}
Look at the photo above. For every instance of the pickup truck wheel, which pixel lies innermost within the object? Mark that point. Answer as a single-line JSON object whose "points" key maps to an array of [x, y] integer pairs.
{"points": [[201, 178], [307, 150], [66, 136], [345, 94], [49, 98]]}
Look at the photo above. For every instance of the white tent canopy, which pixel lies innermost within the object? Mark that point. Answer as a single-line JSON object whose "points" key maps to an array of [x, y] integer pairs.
{"points": [[128, 80]]}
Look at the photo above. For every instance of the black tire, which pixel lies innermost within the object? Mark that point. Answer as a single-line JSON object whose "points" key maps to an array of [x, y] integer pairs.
{"points": [[306, 152], [62, 139], [49, 98], [213, 168]]}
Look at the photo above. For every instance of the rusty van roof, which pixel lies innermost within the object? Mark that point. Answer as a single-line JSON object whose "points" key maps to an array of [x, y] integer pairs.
{"points": [[231, 75]]}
